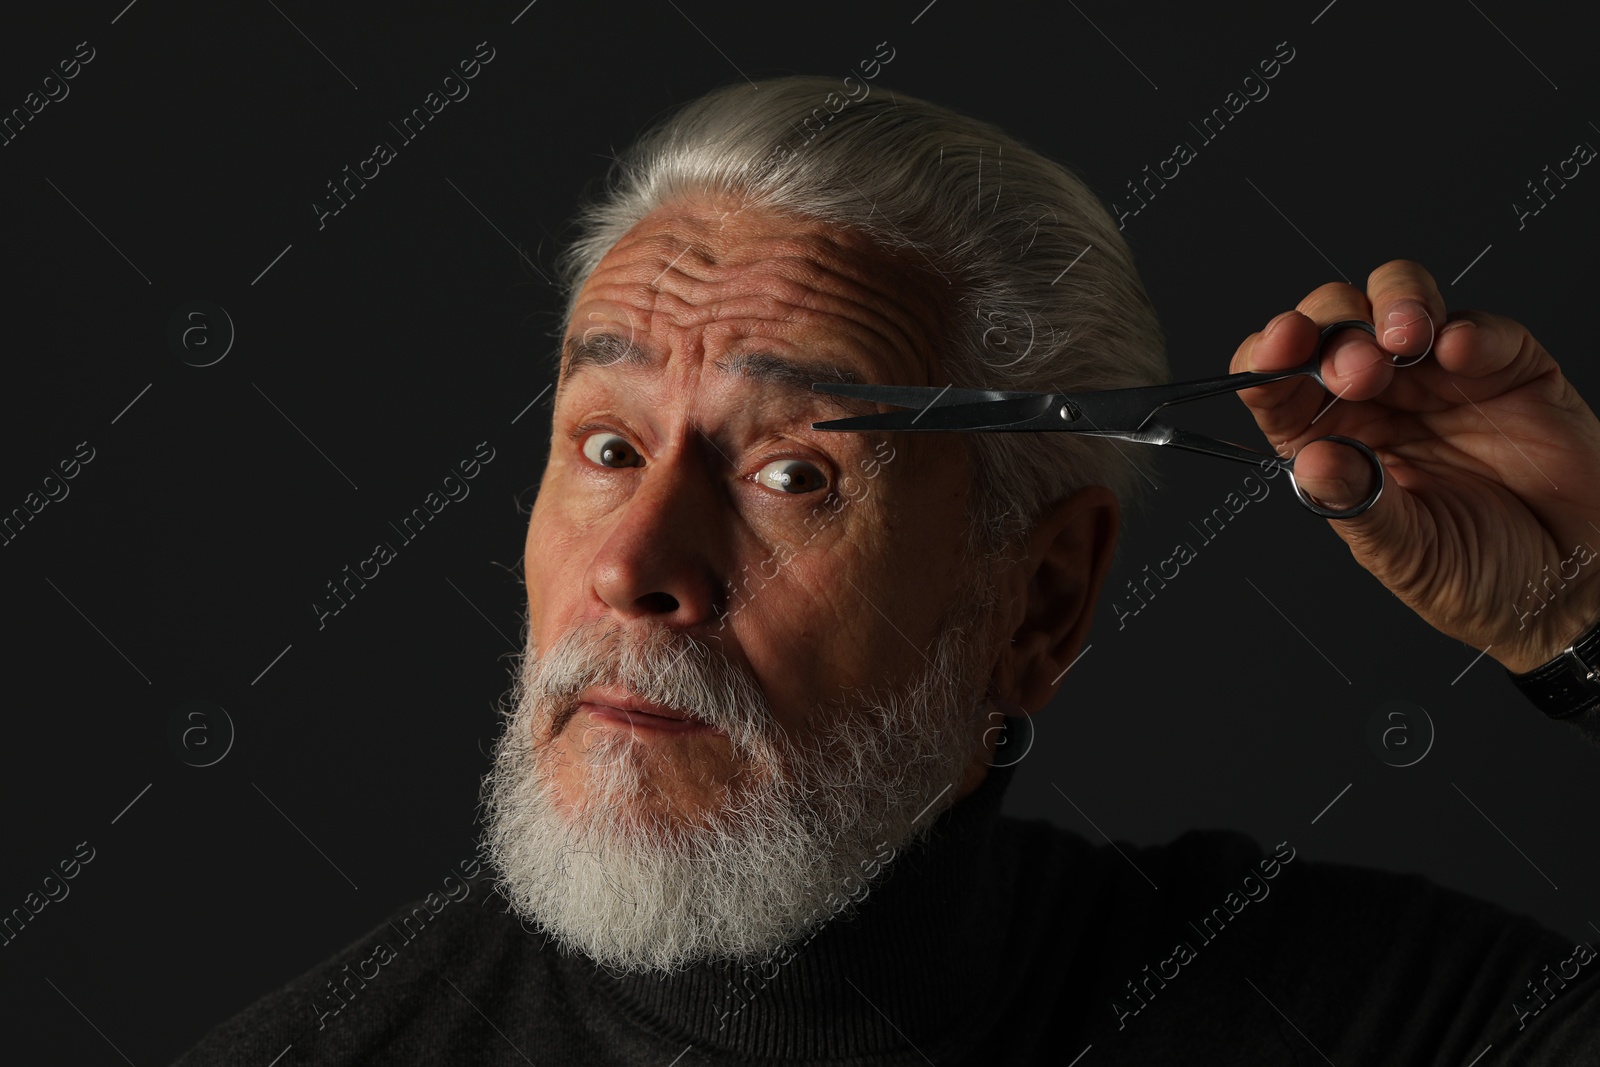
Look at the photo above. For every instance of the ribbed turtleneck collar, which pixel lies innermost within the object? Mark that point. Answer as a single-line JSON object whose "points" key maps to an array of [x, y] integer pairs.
{"points": [[917, 967]]}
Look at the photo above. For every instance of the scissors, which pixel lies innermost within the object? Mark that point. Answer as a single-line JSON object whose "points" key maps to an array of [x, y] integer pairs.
{"points": [[1126, 414]]}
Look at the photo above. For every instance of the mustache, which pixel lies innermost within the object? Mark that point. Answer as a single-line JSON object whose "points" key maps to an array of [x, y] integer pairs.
{"points": [[659, 664]]}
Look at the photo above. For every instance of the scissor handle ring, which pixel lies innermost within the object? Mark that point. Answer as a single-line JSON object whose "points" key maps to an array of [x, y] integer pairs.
{"points": [[1348, 513], [1372, 457], [1327, 332]]}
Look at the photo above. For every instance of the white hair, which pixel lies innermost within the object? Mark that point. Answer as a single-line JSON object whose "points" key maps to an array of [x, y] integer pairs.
{"points": [[1045, 293], [809, 815]]}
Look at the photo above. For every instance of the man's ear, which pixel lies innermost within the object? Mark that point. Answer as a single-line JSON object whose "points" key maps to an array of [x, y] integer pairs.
{"points": [[1069, 552]]}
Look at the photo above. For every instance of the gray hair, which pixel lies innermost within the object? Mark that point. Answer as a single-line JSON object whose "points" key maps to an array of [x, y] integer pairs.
{"points": [[1046, 296]]}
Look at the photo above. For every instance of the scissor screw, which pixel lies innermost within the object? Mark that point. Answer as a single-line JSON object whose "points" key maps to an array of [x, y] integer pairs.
{"points": [[1069, 413]]}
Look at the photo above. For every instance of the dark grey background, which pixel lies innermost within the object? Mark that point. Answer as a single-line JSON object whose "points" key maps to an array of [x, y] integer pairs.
{"points": [[416, 324]]}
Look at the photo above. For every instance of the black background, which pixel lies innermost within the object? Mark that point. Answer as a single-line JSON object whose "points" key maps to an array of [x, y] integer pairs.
{"points": [[417, 324]]}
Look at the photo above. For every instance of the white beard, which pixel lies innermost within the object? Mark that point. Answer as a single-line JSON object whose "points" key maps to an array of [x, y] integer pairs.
{"points": [[638, 889]]}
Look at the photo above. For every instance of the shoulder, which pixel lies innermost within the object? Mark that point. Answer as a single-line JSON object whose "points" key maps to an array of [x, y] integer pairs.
{"points": [[1421, 968], [392, 987], [1346, 906], [1216, 925], [1198, 861]]}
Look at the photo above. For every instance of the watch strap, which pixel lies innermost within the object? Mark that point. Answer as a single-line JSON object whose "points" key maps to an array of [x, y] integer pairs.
{"points": [[1570, 683]]}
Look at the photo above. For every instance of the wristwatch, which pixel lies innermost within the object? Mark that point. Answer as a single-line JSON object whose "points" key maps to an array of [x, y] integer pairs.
{"points": [[1568, 684]]}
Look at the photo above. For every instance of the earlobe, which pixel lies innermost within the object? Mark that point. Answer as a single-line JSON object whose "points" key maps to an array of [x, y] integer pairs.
{"points": [[1006, 706]]}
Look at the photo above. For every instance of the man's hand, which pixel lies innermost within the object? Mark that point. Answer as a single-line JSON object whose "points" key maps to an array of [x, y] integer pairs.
{"points": [[1492, 459]]}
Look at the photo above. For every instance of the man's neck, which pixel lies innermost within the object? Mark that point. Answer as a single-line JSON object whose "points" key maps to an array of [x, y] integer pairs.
{"points": [[914, 964]]}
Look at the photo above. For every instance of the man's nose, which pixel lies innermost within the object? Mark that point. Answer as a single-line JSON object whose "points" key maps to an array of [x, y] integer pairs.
{"points": [[658, 556]]}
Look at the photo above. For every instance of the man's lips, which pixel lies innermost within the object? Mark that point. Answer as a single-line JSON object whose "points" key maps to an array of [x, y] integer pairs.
{"points": [[616, 705]]}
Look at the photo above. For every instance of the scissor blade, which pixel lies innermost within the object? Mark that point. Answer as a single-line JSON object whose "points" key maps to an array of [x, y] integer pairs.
{"points": [[1104, 410], [917, 396], [991, 415]]}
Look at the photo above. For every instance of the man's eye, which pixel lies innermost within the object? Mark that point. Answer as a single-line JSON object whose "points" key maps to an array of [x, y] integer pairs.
{"points": [[612, 451], [793, 476], [781, 474]]}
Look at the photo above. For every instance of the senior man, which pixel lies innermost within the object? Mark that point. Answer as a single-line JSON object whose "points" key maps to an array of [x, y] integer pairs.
{"points": [[746, 806]]}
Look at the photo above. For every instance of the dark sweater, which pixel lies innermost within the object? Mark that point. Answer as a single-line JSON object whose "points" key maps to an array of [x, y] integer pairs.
{"points": [[995, 941]]}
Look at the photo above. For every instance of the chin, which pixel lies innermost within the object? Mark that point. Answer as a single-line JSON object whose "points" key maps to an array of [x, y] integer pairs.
{"points": [[639, 788]]}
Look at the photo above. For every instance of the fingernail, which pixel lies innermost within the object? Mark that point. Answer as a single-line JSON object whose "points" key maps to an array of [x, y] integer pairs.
{"points": [[1459, 324], [1405, 319]]}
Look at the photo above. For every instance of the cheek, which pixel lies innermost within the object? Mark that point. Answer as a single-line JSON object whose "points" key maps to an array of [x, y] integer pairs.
{"points": [[554, 565], [795, 640], [813, 608]]}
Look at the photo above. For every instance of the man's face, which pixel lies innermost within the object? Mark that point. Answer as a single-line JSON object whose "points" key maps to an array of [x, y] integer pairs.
{"points": [[804, 597], [688, 508]]}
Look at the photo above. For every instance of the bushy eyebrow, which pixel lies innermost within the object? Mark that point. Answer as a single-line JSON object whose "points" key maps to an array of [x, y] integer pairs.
{"points": [[790, 374]]}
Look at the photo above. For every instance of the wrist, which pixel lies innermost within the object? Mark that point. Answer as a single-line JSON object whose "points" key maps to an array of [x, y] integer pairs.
{"points": [[1545, 641], [1569, 682]]}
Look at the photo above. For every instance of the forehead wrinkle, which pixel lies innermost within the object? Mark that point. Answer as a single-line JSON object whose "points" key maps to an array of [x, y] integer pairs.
{"points": [[828, 285], [789, 275], [860, 261], [768, 233], [818, 254], [768, 318], [801, 291]]}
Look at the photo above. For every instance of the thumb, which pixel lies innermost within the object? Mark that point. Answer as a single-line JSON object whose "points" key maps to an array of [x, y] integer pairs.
{"points": [[1338, 476]]}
